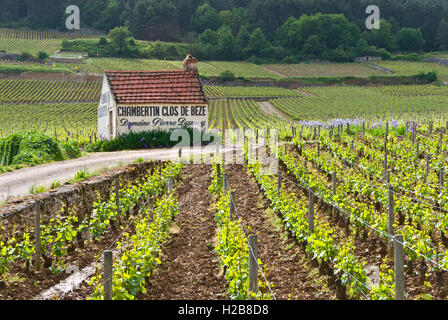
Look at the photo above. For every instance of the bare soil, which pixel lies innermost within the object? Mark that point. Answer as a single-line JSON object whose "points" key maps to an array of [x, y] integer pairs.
{"points": [[190, 267], [288, 268]]}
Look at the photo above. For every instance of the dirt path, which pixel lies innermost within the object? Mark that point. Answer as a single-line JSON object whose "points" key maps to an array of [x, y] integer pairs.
{"points": [[269, 109], [275, 72], [190, 267], [307, 93], [289, 270], [18, 183]]}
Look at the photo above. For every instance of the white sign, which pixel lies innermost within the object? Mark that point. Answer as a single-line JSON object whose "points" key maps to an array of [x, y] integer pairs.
{"points": [[163, 117]]}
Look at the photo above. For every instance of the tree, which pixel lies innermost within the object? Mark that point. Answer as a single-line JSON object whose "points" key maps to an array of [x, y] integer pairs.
{"points": [[410, 39], [226, 44], [288, 34], [442, 35], [257, 44], [312, 46], [205, 17], [233, 19], [242, 38], [119, 38], [381, 38], [209, 37]]}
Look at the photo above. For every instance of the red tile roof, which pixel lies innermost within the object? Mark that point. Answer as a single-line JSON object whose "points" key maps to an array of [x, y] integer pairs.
{"points": [[177, 87]]}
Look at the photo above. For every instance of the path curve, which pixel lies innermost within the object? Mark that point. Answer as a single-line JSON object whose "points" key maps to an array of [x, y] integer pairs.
{"points": [[18, 182]]}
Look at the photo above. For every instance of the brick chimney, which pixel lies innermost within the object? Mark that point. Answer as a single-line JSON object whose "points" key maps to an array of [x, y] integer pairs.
{"points": [[190, 63]]}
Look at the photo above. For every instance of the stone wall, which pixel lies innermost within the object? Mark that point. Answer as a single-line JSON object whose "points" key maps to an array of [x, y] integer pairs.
{"points": [[19, 214]]}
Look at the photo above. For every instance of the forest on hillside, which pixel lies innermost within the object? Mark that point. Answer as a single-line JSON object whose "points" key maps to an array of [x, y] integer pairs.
{"points": [[277, 30]]}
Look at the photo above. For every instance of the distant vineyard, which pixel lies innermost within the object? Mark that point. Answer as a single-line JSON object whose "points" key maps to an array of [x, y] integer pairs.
{"points": [[410, 68], [241, 113], [218, 91], [31, 91], [46, 35], [62, 120], [323, 70], [355, 102], [99, 65], [208, 68], [32, 46]]}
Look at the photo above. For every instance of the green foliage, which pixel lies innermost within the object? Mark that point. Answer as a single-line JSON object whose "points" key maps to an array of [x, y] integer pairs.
{"points": [[71, 149], [140, 140], [381, 38], [25, 56], [142, 250], [410, 39], [232, 243], [59, 234], [81, 175], [205, 17], [408, 57], [41, 55], [29, 147], [55, 184], [428, 77], [226, 76], [320, 244], [119, 38], [35, 190]]}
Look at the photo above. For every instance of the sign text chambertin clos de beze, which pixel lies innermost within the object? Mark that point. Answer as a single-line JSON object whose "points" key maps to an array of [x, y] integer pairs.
{"points": [[162, 117]]}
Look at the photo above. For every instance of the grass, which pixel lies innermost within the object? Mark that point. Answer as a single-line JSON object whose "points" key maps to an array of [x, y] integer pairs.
{"points": [[73, 121], [35, 190], [206, 68], [239, 69], [366, 102], [324, 70], [81, 175], [408, 68], [32, 46], [99, 65], [21, 68]]}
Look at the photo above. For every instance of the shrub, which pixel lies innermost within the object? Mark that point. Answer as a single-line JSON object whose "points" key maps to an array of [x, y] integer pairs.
{"points": [[29, 147], [25, 56], [429, 77], [103, 41], [42, 55], [140, 140], [71, 149], [226, 76]]}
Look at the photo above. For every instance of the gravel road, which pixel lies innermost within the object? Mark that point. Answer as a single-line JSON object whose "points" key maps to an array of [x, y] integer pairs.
{"points": [[18, 183]]}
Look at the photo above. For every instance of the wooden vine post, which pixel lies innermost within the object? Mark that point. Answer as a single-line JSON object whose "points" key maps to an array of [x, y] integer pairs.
{"points": [[253, 269], [232, 205], [363, 129], [399, 267], [311, 210], [225, 182], [391, 218], [279, 182], [37, 245], [417, 156], [333, 178], [107, 275], [117, 193]]}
